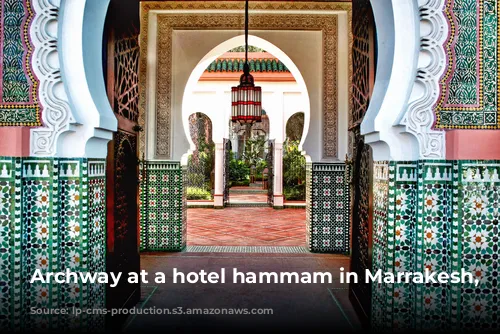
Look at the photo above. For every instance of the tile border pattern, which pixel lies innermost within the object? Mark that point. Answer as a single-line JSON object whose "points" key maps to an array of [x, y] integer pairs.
{"points": [[19, 105], [470, 86]]}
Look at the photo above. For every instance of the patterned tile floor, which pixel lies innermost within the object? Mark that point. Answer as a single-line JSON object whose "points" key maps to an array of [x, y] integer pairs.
{"points": [[258, 226]]}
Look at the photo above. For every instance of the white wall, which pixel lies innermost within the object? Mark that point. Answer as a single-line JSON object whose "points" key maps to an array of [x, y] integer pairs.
{"points": [[280, 101], [303, 47]]}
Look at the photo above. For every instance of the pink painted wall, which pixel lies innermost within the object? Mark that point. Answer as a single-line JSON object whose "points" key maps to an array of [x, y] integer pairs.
{"points": [[473, 145], [14, 141]]}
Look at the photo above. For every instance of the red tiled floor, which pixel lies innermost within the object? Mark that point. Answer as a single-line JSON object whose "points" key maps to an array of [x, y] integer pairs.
{"points": [[246, 227], [247, 197]]}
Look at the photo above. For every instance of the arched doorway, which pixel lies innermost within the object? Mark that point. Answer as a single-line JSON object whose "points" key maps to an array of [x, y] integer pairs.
{"points": [[294, 162], [273, 104], [163, 149]]}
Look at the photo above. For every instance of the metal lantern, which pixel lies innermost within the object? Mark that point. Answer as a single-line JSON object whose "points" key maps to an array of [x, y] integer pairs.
{"points": [[246, 98]]}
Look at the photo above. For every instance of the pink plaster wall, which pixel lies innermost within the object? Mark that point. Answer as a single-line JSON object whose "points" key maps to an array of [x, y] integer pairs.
{"points": [[14, 141], [473, 145]]}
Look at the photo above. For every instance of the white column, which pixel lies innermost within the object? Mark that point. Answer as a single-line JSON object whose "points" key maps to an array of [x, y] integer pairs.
{"points": [[219, 176], [278, 175]]}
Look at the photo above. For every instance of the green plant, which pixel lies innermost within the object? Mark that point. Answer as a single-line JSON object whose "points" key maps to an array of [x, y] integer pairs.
{"points": [[195, 179], [294, 171], [244, 183], [194, 193], [295, 193], [260, 166], [238, 170], [254, 150]]}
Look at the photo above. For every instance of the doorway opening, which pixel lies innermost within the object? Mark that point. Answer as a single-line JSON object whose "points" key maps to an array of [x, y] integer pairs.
{"points": [[238, 167]]}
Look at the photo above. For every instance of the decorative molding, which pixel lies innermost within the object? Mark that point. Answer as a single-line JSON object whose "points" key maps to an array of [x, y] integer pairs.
{"points": [[57, 115], [469, 89], [19, 104], [419, 119], [168, 22]]}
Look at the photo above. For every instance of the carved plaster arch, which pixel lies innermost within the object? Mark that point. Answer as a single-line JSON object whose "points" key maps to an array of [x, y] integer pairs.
{"points": [[398, 123], [78, 120]]}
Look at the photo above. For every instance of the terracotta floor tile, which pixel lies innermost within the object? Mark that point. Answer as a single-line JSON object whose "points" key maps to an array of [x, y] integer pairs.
{"points": [[256, 226]]}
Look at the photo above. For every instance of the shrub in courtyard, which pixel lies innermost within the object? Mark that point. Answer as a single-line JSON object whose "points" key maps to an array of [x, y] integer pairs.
{"points": [[294, 171], [194, 193], [238, 170]]}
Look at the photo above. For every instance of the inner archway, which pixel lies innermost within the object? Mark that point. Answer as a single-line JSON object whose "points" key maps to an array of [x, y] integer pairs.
{"points": [[215, 100], [248, 170]]}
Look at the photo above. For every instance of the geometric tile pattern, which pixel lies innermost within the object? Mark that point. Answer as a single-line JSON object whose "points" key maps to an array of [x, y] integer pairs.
{"points": [[10, 242], [19, 103], [380, 251], [441, 216], [402, 234], [470, 86], [163, 208], [55, 220], [478, 230], [433, 242], [328, 207]]}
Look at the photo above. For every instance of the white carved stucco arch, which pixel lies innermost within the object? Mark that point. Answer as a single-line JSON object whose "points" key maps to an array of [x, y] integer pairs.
{"points": [[78, 120], [224, 47], [77, 117], [399, 120]]}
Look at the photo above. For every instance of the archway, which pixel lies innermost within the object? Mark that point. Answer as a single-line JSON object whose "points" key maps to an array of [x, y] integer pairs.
{"points": [[222, 132], [275, 107], [379, 122], [294, 164], [200, 166]]}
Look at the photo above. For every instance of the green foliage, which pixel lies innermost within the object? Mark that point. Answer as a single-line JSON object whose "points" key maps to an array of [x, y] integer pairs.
{"points": [[294, 171], [238, 170], [201, 163], [244, 183], [260, 166], [251, 48], [254, 150], [195, 179], [194, 193], [295, 193]]}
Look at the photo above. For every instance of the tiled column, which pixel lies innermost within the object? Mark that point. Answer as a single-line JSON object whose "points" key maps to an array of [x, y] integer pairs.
{"points": [[328, 204], [55, 224], [163, 207], [10, 243], [440, 216]]}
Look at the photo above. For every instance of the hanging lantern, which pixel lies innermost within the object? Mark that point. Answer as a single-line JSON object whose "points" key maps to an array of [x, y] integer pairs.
{"points": [[246, 98]]}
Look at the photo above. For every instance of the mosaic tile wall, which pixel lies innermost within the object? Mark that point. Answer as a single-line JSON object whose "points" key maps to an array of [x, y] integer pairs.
{"points": [[441, 216], [328, 210], [470, 85], [477, 227], [52, 215], [163, 210], [19, 103], [379, 253]]}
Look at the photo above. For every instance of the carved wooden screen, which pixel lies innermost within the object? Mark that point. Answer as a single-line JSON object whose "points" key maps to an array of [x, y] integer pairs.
{"points": [[126, 83], [363, 55], [122, 170], [364, 60]]}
